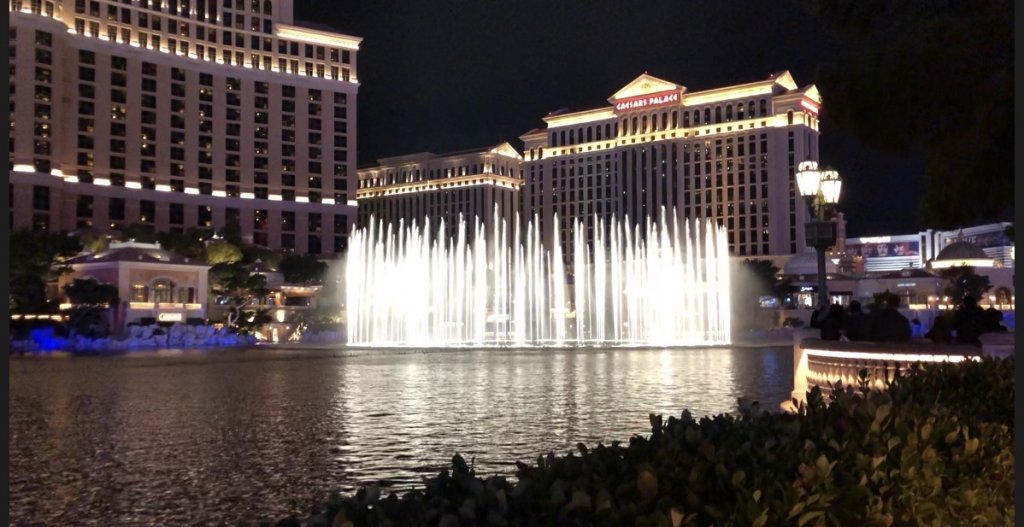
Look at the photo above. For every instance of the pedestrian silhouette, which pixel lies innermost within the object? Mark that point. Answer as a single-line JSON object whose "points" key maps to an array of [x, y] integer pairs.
{"points": [[891, 326], [941, 332], [856, 323], [968, 321]]}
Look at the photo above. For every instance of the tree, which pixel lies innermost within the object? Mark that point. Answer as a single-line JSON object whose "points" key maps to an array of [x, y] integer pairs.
{"points": [[269, 257], [232, 233], [94, 242], [234, 283], [90, 301], [139, 232], [222, 252], [962, 281], [89, 292], [35, 260], [188, 243], [304, 269], [935, 78]]}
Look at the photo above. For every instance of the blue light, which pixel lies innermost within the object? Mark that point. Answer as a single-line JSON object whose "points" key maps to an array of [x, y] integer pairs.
{"points": [[45, 339]]}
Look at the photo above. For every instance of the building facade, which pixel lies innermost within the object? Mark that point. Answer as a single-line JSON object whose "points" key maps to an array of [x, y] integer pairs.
{"points": [[726, 154], [176, 114], [915, 251], [443, 187], [151, 282]]}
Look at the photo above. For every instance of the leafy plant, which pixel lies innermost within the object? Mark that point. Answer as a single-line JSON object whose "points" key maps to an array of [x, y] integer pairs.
{"points": [[962, 281], [235, 283]]}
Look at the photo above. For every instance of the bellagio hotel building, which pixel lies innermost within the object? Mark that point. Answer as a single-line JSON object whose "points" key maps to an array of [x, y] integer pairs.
{"points": [[725, 154], [182, 113]]}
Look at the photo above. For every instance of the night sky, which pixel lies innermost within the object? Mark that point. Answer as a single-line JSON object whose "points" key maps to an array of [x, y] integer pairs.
{"points": [[446, 75]]}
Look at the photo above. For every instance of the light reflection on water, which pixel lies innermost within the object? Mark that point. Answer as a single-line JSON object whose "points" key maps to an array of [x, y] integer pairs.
{"points": [[245, 435]]}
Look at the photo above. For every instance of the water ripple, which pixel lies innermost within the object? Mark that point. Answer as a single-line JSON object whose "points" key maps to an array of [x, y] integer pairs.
{"points": [[245, 435]]}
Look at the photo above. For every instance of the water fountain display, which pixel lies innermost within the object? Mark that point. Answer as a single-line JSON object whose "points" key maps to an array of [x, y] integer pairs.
{"points": [[663, 283]]}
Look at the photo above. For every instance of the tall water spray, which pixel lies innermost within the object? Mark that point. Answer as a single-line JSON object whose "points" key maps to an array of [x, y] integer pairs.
{"points": [[665, 284]]}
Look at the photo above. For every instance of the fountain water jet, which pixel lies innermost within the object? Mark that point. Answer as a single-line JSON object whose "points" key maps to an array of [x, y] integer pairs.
{"points": [[660, 283]]}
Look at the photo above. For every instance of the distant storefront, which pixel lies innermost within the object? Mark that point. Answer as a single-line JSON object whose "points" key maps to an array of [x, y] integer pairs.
{"points": [[152, 283]]}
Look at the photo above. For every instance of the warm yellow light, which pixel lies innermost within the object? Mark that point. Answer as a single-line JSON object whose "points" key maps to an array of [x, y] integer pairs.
{"points": [[575, 118], [831, 184], [808, 178], [728, 93], [883, 356], [317, 37]]}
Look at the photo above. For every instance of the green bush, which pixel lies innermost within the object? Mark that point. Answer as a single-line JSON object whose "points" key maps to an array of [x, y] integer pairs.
{"points": [[935, 449]]}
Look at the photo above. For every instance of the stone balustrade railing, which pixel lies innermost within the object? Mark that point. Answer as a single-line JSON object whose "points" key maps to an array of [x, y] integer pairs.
{"points": [[820, 363]]}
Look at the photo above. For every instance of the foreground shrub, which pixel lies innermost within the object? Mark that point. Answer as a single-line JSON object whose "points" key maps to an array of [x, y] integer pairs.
{"points": [[935, 449]]}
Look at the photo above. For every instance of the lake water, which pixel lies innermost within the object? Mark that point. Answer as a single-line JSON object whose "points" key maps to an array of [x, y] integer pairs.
{"points": [[185, 437]]}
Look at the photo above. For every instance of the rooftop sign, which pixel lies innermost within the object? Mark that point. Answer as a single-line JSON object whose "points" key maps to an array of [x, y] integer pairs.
{"points": [[647, 101]]}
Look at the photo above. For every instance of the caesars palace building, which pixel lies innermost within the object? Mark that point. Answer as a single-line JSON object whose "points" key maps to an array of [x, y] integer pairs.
{"points": [[176, 114], [725, 154]]}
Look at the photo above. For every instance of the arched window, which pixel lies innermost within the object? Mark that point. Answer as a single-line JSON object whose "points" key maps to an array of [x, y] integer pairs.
{"points": [[268, 7], [598, 127], [739, 111], [572, 137], [707, 115], [643, 125], [750, 110], [675, 118], [160, 290], [686, 119], [608, 131], [764, 107], [590, 133], [635, 128], [718, 114], [728, 113], [561, 140], [696, 118], [664, 120], [789, 116]]}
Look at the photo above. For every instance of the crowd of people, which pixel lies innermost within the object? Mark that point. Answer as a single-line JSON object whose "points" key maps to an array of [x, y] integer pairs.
{"points": [[885, 323]]}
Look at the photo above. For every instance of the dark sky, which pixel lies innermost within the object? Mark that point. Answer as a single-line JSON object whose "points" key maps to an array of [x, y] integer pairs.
{"points": [[445, 75]]}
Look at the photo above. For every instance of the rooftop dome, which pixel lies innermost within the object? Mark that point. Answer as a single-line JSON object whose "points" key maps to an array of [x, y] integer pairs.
{"points": [[962, 253]]}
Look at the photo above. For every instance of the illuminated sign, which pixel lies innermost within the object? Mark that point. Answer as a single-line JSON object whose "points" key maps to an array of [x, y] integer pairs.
{"points": [[647, 101], [169, 317]]}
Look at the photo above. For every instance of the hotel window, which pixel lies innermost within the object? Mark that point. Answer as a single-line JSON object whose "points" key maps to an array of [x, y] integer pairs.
{"points": [[147, 211], [204, 217], [115, 209], [177, 214]]}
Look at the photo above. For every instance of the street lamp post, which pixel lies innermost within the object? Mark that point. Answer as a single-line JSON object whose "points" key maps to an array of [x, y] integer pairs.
{"points": [[820, 187]]}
